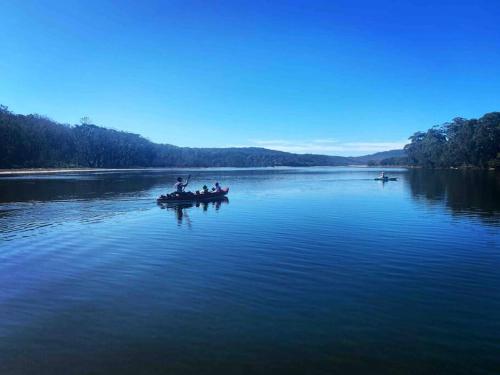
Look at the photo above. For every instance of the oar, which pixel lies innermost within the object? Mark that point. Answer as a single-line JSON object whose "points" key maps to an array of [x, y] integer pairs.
{"points": [[187, 181]]}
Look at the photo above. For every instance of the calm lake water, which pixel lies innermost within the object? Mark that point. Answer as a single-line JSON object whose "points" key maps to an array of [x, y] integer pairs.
{"points": [[302, 271]]}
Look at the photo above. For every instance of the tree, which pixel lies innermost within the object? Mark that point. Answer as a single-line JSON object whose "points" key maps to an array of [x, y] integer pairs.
{"points": [[458, 143]]}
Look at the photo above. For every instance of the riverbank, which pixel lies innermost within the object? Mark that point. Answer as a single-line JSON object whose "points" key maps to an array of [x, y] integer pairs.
{"points": [[29, 171], [42, 171], [35, 171]]}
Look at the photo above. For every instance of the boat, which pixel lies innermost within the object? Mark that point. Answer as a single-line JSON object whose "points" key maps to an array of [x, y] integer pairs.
{"points": [[197, 196], [385, 179]]}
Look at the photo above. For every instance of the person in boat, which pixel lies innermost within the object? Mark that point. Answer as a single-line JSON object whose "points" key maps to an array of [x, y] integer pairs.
{"points": [[180, 185], [205, 189], [217, 188], [382, 175]]}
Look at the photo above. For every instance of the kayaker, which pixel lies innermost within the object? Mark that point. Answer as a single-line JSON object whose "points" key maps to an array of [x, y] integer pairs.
{"points": [[179, 186], [382, 175], [217, 188], [205, 189]]}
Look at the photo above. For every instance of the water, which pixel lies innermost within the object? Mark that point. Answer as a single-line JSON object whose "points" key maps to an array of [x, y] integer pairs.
{"points": [[302, 271]]}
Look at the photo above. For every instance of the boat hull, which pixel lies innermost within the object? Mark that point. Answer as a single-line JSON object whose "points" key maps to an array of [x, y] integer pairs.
{"points": [[193, 197]]}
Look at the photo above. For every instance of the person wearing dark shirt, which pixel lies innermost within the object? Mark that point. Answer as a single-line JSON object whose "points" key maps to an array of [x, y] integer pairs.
{"points": [[180, 185], [217, 188]]}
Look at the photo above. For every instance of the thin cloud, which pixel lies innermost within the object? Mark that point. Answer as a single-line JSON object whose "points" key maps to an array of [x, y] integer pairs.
{"points": [[328, 146]]}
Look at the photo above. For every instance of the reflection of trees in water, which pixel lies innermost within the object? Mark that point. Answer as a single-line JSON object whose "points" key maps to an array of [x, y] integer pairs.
{"points": [[181, 210], [20, 219], [34, 203], [88, 186], [463, 191], [30, 204]]}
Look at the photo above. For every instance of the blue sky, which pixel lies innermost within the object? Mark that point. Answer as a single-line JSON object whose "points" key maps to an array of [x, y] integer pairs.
{"points": [[334, 77]]}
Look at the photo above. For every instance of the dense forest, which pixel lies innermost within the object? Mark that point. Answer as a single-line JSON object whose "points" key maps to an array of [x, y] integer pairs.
{"points": [[34, 141], [460, 143]]}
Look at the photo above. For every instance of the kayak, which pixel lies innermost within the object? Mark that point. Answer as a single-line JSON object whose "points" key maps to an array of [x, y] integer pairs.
{"points": [[193, 197], [385, 179]]}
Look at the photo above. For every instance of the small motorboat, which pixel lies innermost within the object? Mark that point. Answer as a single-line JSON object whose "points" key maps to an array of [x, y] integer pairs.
{"points": [[197, 196], [385, 179]]}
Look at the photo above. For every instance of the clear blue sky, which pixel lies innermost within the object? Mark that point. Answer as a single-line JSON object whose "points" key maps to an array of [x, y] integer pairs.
{"points": [[337, 77]]}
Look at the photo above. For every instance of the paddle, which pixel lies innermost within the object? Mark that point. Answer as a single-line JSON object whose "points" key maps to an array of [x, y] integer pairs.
{"points": [[187, 182]]}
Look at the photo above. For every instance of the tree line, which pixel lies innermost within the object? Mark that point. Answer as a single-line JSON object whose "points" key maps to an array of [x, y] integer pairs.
{"points": [[459, 143], [34, 141]]}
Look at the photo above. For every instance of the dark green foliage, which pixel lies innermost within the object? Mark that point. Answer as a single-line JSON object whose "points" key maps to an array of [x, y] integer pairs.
{"points": [[460, 143], [395, 161], [105, 148], [376, 159], [34, 141]]}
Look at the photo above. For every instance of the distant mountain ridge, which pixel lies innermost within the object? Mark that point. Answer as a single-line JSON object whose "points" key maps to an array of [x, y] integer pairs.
{"points": [[379, 156], [33, 141]]}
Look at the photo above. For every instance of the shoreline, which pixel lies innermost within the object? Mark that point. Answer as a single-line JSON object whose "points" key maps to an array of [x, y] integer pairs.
{"points": [[37, 171], [42, 171], [30, 171], [46, 171]]}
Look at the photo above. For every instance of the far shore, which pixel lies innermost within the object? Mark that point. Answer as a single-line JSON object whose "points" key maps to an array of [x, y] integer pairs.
{"points": [[33, 171], [20, 171]]}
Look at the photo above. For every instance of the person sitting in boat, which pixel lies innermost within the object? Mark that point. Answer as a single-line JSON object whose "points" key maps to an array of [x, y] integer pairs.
{"points": [[217, 188], [205, 189], [180, 185], [382, 175]]}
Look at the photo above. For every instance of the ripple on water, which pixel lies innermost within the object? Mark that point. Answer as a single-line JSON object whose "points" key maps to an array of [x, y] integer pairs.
{"points": [[357, 277]]}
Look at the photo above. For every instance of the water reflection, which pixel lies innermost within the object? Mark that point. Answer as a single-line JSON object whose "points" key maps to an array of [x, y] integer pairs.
{"points": [[321, 266], [32, 203], [464, 192], [181, 210], [79, 186]]}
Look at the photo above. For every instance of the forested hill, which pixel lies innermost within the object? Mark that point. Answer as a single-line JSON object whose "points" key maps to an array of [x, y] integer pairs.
{"points": [[459, 143], [33, 141], [379, 157]]}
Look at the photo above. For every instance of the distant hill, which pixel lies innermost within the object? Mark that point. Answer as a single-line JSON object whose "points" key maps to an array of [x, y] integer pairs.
{"points": [[379, 156], [242, 157], [34, 141]]}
